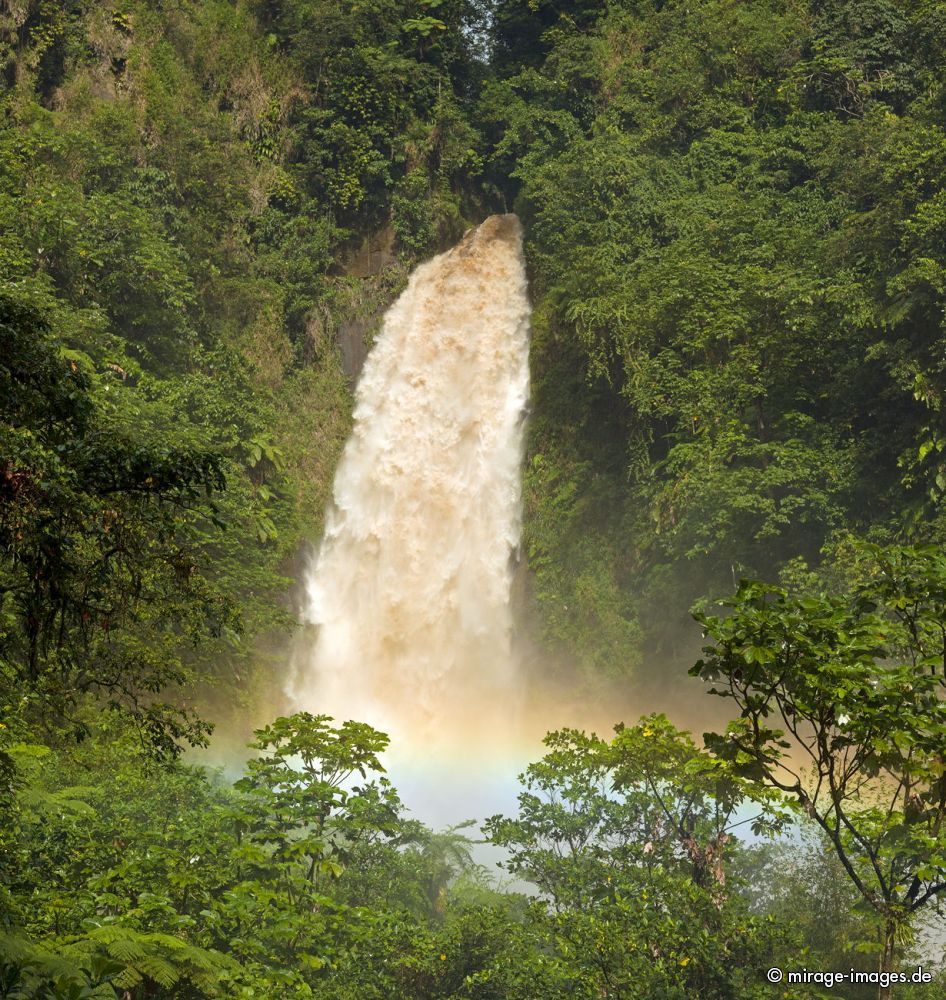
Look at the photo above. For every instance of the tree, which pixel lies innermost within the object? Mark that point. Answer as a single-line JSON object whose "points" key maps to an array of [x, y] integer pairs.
{"points": [[145, 873], [859, 684], [735, 230], [801, 880], [628, 842], [99, 583], [298, 790]]}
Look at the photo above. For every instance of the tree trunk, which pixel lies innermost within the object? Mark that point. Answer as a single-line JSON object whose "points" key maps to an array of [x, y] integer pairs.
{"points": [[886, 959]]}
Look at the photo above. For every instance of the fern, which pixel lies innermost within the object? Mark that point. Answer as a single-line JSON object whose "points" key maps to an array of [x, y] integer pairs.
{"points": [[126, 949], [162, 959], [160, 970]]}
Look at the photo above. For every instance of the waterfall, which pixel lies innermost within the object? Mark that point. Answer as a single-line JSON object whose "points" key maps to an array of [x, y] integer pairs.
{"points": [[409, 593]]}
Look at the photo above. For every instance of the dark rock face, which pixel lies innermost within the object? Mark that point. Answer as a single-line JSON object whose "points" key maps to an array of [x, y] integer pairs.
{"points": [[352, 336], [367, 301], [374, 255]]}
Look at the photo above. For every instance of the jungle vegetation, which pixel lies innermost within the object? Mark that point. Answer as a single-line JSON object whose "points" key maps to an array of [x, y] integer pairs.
{"points": [[736, 235]]}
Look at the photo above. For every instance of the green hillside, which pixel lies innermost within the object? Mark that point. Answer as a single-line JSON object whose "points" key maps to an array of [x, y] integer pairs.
{"points": [[736, 237]]}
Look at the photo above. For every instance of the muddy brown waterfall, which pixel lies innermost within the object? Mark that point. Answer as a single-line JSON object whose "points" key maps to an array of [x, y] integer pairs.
{"points": [[409, 594]]}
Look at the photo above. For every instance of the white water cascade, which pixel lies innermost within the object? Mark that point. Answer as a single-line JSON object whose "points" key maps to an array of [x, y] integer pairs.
{"points": [[410, 591]]}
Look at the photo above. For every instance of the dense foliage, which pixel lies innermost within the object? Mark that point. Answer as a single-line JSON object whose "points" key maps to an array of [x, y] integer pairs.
{"points": [[736, 235], [735, 223], [858, 685], [177, 190]]}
